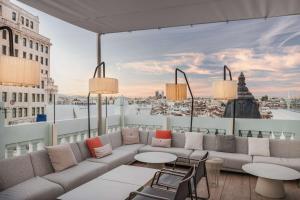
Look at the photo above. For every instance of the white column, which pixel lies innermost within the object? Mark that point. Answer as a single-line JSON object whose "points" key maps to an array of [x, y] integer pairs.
{"points": [[18, 150], [63, 140], [78, 138], [85, 136], [30, 147], [40, 146], [71, 139], [6, 154]]}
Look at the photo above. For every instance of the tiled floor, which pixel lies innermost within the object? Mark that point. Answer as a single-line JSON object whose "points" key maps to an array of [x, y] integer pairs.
{"points": [[238, 186]]}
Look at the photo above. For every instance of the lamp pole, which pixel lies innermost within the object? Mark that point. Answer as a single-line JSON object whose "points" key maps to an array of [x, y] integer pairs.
{"points": [[192, 96], [99, 75], [234, 100], [97, 69]]}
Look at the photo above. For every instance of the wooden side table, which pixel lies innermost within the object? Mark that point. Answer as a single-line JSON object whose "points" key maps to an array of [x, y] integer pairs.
{"points": [[213, 167]]}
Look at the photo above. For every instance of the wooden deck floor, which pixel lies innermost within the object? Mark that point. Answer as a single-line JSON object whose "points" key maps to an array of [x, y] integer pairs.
{"points": [[237, 186]]}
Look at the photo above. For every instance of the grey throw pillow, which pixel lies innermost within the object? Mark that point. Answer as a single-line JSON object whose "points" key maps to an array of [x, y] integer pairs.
{"points": [[225, 143]]}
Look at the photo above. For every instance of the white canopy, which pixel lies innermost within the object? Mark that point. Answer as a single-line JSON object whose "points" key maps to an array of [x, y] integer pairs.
{"points": [[111, 16]]}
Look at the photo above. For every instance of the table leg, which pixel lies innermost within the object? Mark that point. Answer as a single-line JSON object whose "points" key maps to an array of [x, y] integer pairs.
{"points": [[270, 188]]}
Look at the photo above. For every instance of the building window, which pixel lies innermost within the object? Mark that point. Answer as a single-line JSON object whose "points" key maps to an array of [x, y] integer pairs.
{"points": [[33, 111], [3, 49], [4, 96], [4, 34], [38, 110], [42, 71], [38, 97], [36, 58], [20, 97], [42, 60], [33, 97], [36, 46], [42, 97], [20, 112], [5, 113], [25, 112], [46, 61], [30, 44], [24, 54], [46, 50], [42, 84], [30, 56], [31, 24], [16, 39], [46, 72], [27, 22], [14, 96], [43, 110], [22, 19], [24, 42], [14, 112], [16, 53], [25, 97], [14, 16]]}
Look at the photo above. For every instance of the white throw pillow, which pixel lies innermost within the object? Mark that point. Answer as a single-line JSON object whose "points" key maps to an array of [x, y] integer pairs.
{"points": [[193, 140], [258, 146], [157, 142], [103, 151]]}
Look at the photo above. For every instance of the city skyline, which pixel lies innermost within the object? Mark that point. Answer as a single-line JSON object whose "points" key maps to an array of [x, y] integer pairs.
{"points": [[267, 51]]}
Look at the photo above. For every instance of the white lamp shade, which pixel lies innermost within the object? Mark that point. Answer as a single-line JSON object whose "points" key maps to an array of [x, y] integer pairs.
{"points": [[225, 90], [176, 92], [103, 85], [18, 71]]}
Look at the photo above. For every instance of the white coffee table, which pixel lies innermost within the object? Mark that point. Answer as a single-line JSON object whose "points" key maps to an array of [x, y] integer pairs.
{"points": [[270, 178], [155, 160]]}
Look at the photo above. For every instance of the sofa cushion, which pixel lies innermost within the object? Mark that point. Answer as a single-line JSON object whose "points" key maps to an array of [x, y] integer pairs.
{"points": [[15, 170], [130, 135], [61, 156], [116, 159], [115, 139], [93, 143], [103, 151], [131, 147], [259, 146], [293, 163], [76, 151], [231, 160], [163, 134], [198, 154], [193, 141], [241, 145], [33, 189], [285, 148], [209, 142], [178, 139], [41, 163], [225, 143], [158, 142], [77, 175], [143, 137], [105, 139], [174, 150], [83, 150], [151, 134]]}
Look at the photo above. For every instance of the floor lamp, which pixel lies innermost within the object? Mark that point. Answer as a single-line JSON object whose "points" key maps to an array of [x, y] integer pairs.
{"points": [[16, 71], [100, 85], [226, 90], [178, 92]]}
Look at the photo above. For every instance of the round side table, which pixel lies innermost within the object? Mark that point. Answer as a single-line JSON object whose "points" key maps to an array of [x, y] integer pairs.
{"points": [[213, 167]]}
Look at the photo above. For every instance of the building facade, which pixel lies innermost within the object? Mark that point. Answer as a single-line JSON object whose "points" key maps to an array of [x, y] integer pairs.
{"points": [[23, 104]]}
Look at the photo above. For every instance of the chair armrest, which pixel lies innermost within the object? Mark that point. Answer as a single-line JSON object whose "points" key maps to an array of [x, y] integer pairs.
{"points": [[172, 170], [147, 195]]}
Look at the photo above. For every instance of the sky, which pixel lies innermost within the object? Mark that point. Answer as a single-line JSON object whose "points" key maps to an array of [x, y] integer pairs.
{"points": [[267, 51]]}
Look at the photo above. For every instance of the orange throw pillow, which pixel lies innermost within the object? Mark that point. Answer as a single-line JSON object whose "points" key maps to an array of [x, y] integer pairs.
{"points": [[93, 143], [163, 134]]}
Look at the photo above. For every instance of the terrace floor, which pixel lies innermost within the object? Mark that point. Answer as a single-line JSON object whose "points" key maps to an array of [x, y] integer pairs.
{"points": [[238, 186]]}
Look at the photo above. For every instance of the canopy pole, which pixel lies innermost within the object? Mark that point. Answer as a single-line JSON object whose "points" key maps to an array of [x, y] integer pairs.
{"points": [[99, 95]]}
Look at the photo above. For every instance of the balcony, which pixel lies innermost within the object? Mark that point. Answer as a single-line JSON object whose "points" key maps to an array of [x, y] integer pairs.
{"points": [[20, 139]]}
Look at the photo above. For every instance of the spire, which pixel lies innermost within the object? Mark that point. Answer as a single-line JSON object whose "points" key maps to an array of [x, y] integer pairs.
{"points": [[243, 91]]}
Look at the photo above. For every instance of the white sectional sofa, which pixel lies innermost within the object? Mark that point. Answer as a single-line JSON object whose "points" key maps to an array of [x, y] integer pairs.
{"points": [[31, 177]]}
